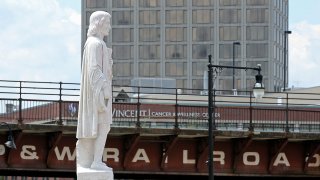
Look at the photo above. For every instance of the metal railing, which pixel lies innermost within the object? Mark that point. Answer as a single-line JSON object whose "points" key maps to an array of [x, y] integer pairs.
{"points": [[30, 102]]}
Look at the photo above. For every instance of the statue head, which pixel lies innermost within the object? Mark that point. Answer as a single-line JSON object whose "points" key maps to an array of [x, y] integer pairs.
{"points": [[99, 24]]}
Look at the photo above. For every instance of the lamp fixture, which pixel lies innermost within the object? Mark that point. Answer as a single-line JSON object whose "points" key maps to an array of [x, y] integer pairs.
{"points": [[10, 143], [258, 89]]}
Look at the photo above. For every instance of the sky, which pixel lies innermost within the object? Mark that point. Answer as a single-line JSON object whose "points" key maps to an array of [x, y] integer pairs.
{"points": [[40, 41], [304, 43]]}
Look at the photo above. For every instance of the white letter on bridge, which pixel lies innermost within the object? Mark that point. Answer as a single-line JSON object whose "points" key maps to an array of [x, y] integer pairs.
{"points": [[2, 150], [141, 155], [65, 150], [281, 159], [185, 158], [113, 154], [27, 154], [251, 163], [221, 157], [317, 163]]}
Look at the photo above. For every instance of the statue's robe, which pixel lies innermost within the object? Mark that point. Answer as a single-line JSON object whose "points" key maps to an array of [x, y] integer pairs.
{"points": [[95, 87]]}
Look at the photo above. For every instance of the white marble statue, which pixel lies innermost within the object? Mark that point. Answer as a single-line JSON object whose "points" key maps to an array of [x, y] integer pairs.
{"points": [[95, 105]]}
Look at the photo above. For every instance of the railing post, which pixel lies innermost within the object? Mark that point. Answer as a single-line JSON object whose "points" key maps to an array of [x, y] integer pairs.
{"points": [[20, 103], [60, 104], [287, 112], [214, 110], [138, 124], [250, 109], [176, 125]]}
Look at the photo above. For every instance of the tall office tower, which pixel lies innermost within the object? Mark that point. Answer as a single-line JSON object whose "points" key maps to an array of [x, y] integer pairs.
{"points": [[173, 38]]}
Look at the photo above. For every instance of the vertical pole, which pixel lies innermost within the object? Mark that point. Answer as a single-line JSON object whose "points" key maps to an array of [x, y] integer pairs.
{"points": [[20, 103], [285, 62], [176, 125], [138, 125], [210, 112], [285, 59], [60, 103], [250, 123], [233, 74], [233, 64], [287, 109]]}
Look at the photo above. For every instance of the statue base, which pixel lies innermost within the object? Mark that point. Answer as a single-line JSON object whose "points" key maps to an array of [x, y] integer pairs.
{"points": [[93, 174]]}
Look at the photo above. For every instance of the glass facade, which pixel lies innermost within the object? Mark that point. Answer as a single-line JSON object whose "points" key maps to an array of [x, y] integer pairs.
{"points": [[173, 38]]}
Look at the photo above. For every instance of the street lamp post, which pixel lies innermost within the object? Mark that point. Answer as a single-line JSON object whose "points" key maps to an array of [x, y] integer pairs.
{"points": [[210, 120], [285, 59], [10, 143], [233, 64], [258, 92]]}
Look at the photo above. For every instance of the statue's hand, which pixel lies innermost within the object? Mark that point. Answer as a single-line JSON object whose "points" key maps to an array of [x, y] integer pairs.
{"points": [[102, 102]]}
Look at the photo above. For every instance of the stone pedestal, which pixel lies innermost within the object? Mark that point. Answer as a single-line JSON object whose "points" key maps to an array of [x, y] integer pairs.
{"points": [[92, 174]]}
